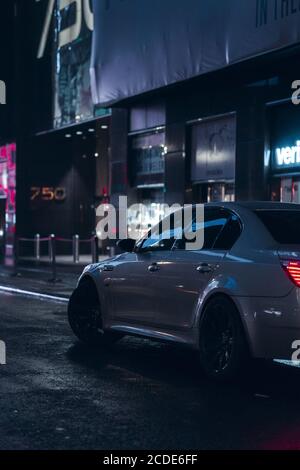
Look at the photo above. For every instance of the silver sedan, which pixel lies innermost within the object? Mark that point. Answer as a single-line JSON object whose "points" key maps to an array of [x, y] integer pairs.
{"points": [[237, 297]]}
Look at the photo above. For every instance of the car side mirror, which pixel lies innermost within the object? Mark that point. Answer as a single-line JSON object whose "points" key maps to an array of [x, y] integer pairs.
{"points": [[126, 245]]}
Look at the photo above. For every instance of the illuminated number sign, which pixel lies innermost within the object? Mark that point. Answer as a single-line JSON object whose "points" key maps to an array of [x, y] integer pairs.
{"points": [[72, 32], [288, 157], [48, 194]]}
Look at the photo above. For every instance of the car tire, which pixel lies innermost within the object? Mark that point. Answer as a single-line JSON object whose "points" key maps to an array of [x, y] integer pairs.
{"points": [[85, 317], [222, 343]]}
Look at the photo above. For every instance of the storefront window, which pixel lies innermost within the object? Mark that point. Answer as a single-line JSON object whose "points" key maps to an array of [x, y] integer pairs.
{"points": [[147, 213], [147, 177], [220, 192], [148, 159], [285, 154], [286, 189]]}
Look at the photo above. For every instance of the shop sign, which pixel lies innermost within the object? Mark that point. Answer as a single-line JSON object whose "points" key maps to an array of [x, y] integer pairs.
{"points": [[214, 150], [48, 194], [83, 13], [137, 48], [287, 157], [68, 24]]}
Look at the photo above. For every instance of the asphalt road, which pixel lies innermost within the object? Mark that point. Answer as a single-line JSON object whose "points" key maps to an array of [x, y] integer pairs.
{"points": [[57, 394]]}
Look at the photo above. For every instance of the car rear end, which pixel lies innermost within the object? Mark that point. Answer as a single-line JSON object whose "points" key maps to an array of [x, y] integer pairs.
{"points": [[277, 317]]}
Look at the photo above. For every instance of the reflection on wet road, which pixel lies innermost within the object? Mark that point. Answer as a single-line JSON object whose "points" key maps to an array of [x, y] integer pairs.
{"points": [[57, 394]]}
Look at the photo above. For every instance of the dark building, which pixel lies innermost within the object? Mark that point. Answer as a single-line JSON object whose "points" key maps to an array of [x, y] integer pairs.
{"points": [[62, 138], [172, 102]]}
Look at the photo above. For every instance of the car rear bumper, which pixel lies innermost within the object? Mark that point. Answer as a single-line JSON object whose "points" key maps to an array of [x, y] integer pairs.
{"points": [[271, 324]]}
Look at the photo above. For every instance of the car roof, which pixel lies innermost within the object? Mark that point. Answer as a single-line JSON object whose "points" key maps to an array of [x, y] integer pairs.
{"points": [[256, 205]]}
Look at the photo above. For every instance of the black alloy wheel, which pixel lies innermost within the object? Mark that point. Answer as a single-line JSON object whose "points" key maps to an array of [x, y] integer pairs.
{"points": [[223, 348], [85, 318]]}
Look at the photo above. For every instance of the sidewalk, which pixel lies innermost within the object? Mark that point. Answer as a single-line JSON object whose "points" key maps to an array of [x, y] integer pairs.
{"points": [[61, 261], [36, 278]]}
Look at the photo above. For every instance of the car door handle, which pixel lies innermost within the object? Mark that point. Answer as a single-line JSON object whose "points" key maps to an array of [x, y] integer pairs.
{"points": [[153, 268], [108, 268], [205, 268]]}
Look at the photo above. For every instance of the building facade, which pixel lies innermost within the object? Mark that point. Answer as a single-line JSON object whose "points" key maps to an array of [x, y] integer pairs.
{"points": [[202, 106], [63, 139], [175, 102]]}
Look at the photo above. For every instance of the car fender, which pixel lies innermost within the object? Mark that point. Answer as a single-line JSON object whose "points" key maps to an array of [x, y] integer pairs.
{"points": [[221, 285], [95, 274]]}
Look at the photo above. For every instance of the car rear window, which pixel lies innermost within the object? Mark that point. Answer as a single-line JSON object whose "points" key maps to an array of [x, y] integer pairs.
{"points": [[283, 225]]}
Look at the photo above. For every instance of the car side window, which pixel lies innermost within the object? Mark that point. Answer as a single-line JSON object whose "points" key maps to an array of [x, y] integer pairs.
{"points": [[214, 221], [229, 235], [160, 238]]}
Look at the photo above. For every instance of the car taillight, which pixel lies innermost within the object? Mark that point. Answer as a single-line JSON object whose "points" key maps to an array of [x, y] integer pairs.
{"points": [[292, 268]]}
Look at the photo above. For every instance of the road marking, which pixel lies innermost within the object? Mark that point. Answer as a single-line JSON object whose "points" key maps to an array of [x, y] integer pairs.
{"points": [[37, 295], [261, 395]]}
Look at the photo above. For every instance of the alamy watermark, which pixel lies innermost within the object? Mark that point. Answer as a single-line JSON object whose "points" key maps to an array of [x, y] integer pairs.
{"points": [[171, 223], [2, 92], [2, 353]]}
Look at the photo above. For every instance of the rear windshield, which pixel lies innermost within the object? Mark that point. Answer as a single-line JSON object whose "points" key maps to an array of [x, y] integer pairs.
{"points": [[283, 225]]}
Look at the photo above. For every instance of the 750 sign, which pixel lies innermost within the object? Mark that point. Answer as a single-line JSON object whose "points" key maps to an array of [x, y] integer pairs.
{"points": [[72, 32], [48, 194]]}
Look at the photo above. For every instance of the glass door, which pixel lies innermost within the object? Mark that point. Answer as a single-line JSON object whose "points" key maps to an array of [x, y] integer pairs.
{"points": [[290, 190], [213, 192], [221, 192]]}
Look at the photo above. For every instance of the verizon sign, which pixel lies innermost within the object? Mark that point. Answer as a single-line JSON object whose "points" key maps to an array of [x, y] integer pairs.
{"points": [[142, 45], [288, 157]]}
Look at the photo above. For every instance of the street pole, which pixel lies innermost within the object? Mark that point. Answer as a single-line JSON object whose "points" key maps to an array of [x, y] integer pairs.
{"points": [[95, 249], [37, 247], [76, 254], [52, 255]]}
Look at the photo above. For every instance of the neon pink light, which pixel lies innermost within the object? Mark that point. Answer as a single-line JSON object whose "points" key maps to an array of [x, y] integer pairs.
{"points": [[8, 176]]}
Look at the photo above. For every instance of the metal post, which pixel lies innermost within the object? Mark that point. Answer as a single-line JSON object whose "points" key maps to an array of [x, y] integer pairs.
{"points": [[95, 249], [37, 247], [76, 254], [16, 258], [112, 251], [52, 253], [50, 249], [16, 254]]}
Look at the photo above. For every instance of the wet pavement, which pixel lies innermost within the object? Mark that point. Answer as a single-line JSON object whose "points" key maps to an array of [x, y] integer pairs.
{"points": [[39, 279], [57, 394]]}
